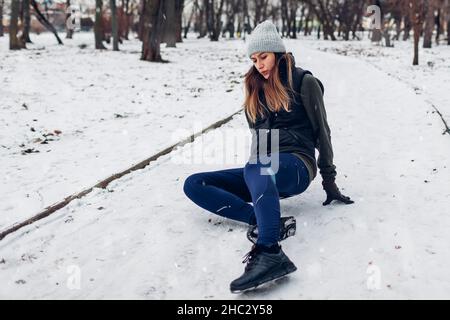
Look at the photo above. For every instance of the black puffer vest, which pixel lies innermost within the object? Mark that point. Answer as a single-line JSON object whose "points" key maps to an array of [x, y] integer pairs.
{"points": [[294, 128]]}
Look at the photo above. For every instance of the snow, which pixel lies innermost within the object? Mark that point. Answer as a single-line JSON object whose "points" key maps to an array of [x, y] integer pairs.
{"points": [[113, 111], [142, 238], [431, 78]]}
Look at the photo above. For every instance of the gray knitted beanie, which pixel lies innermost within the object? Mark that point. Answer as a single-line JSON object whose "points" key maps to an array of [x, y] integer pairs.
{"points": [[265, 38]]}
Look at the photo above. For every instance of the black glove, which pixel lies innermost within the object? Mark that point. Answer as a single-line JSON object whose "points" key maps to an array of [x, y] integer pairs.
{"points": [[333, 193]]}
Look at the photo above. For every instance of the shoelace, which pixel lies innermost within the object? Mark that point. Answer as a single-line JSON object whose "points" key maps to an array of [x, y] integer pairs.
{"points": [[250, 257]]}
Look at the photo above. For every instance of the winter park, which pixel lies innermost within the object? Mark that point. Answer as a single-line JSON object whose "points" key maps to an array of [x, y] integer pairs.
{"points": [[201, 149]]}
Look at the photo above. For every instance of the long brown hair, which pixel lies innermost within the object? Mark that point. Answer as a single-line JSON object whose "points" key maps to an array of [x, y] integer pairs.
{"points": [[276, 93]]}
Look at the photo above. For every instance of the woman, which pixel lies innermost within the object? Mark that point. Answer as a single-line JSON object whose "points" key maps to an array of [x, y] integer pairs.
{"points": [[298, 116]]}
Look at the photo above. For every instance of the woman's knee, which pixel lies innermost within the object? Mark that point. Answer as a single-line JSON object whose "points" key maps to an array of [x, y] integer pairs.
{"points": [[193, 182], [251, 169], [253, 172]]}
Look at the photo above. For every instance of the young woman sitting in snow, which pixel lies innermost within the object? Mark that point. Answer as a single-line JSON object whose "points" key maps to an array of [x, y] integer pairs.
{"points": [[282, 97]]}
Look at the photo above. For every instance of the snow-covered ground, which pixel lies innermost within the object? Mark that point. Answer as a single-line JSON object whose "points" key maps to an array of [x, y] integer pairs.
{"points": [[112, 109], [430, 79], [142, 238]]}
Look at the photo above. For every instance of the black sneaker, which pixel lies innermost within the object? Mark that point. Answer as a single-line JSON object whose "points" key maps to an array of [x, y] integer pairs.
{"points": [[262, 267], [288, 227]]}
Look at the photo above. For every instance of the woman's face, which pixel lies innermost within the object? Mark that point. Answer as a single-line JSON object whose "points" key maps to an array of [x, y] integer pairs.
{"points": [[264, 63]]}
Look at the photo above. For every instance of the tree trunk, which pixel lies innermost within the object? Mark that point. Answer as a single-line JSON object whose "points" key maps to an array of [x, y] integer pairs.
{"points": [[98, 27], [292, 17], [26, 21], [44, 21], [326, 18], [1, 18], [179, 6], [203, 19], [407, 27], [258, 8], [69, 21], [216, 22], [246, 19], [307, 19], [398, 27], [141, 20], [438, 26], [188, 24], [14, 42], [429, 23], [46, 11], [114, 26], [128, 16], [416, 46], [417, 10], [387, 38], [302, 20], [153, 19], [232, 12], [284, 18], [448, 31], [169, 36]]}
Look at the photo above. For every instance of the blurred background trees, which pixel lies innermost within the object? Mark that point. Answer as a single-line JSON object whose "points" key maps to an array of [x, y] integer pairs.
{"points": [[169, 21]]}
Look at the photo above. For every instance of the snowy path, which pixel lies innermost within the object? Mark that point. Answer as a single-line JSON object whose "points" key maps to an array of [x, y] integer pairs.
{"points": [[141, 238], [430, 79]]}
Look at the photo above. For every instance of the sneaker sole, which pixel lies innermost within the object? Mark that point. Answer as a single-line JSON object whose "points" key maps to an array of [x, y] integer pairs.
{"points": [[290, 268]]}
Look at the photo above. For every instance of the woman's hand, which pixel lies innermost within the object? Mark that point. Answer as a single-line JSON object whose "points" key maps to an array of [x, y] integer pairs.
{"points": [[333, 193]]}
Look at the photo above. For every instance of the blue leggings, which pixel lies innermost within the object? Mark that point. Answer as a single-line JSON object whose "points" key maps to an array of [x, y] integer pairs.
{"points": [[227, 193]]}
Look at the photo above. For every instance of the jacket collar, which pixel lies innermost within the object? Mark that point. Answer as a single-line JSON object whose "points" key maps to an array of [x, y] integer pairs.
{"points": [[283, 68]]}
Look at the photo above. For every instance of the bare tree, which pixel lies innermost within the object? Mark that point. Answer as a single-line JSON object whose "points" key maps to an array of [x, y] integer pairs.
{"points": [[407, 25], [69, 25], [169, 36], [214, 19], [2, 2], [324, 12], [202, 19], [25, 15], [44, 21], [152, 28], [397, 15], [188, 23], [288, 15], [141, 19], [308, 18], [417, 17], [179, 7], [128, 15], [14, 42], [349, 16], [447, 17], [114, 25], [231, 12], [438, 19], [98, 27], [260, 8], [246, 17], [429, 7]]}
